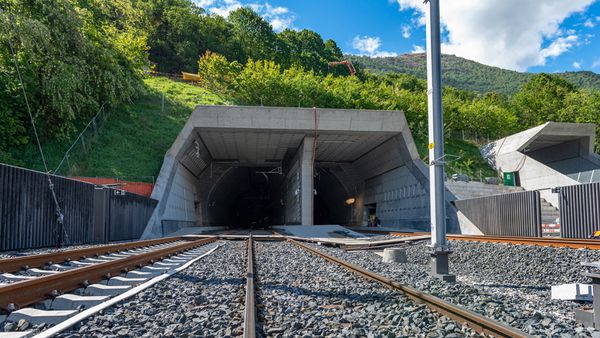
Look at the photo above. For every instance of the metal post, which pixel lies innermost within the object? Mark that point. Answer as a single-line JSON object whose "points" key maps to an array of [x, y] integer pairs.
{"points": [[439, 247]]}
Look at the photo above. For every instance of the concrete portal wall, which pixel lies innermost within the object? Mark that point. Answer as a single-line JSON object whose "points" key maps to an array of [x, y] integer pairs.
{"points": [[180, 202], [292, 191], [401, 200]]}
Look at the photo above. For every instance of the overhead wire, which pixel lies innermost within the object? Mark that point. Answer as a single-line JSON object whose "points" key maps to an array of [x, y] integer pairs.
{"points": [[59, 215]]}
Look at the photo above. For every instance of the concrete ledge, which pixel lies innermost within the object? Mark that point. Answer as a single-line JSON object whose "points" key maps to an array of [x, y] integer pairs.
{"points": [[36, 317], [72, 302]]}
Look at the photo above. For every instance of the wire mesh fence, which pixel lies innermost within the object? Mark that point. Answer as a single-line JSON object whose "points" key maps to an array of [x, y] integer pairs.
{"points": [[70, 163]]}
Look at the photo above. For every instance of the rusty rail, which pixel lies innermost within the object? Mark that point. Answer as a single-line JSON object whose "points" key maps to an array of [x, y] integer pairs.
{"points": [[35, 261], [20, 294], [250, 312], [474, 320], [574, 243]]}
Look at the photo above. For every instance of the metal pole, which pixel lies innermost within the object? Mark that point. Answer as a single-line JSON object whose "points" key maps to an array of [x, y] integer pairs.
{"points": [[439, 247]]}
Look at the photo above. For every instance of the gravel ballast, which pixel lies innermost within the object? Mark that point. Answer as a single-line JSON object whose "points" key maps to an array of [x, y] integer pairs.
{"points": [[506, 282], [206, 299], [302, 295]]}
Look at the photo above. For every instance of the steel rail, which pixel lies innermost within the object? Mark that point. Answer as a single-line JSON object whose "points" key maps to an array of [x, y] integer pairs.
{"points": [[574, 243], [250, 311], [474, 320], [35, 261], [20, 294]]}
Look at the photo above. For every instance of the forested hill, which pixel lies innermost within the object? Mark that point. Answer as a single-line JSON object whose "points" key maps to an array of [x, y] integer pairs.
{"points": [[466, 74]]}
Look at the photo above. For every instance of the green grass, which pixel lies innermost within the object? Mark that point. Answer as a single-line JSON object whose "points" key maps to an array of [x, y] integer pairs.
{"points": [[134, 138], [464, 158]]}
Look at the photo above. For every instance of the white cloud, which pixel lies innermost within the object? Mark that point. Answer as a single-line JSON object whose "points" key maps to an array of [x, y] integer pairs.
{"points": [[589, 23], [368, 45], [406, 30], [596, 63], [577, 65], [505, 33], [204, 3], [279, 17], [418, 49], [559, 46]]}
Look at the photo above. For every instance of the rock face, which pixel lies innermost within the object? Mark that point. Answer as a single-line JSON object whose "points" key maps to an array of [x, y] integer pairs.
{"points": [[305, 296], [510, 283], [205, 300]]}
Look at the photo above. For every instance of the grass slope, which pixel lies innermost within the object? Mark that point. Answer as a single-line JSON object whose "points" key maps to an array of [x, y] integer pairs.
{"points": [[135, 137], [466, 74]]}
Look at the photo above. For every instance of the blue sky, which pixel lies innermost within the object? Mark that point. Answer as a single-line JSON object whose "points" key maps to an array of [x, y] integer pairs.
{"points": [[523, 35]]}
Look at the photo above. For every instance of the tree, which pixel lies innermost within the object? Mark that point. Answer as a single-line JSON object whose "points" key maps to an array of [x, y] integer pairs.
{"points": [[254, 34], [541, 99]]}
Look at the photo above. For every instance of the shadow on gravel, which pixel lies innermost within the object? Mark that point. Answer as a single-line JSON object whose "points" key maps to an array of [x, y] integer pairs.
{"points": [[212, 281], [369, 297], [511, 286]]}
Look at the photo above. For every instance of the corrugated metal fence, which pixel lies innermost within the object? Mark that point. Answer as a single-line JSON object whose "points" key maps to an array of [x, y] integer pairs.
{"points": [[579, 210], [91, 215], [515, 214]]}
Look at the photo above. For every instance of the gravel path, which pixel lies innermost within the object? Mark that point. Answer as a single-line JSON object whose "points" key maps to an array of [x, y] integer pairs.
{"points": [[506, 282], [302, 295], [205, 300]]}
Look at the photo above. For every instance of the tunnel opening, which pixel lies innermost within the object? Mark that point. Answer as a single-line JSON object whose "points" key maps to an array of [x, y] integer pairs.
{"points": [[330, 202], [247, 197]]}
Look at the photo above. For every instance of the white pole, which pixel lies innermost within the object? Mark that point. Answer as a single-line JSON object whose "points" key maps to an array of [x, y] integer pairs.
{"points": [[439, 247]]}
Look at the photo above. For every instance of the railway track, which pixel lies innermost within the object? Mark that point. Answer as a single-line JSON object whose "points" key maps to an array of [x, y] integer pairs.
{"points": [[574, 243], [116, 270], [265, 299], [477, 322]]}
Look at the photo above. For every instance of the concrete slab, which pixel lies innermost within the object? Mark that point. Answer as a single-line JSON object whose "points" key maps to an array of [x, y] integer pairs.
{"points": [[61, 267], [153, 269], [172, 260], [14, 278], [72, 302], [105, 290], [79, 264], [40, 272], [575, 291], [95, 260], [141, 274], [321, 231], [162, 264], [126, 281], [36, 317]]}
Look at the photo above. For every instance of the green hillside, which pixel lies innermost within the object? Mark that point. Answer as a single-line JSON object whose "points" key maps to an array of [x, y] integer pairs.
{"points": [[134, 138], [466, 74]]}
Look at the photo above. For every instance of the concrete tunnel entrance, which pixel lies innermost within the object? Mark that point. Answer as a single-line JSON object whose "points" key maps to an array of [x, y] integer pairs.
{"points": [[262, 166]]}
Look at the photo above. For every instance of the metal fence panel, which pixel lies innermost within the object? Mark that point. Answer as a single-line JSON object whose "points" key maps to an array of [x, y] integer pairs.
{"points": [[129, 214], [515, 214], [27, 211], [579, 210], [91, 214]]}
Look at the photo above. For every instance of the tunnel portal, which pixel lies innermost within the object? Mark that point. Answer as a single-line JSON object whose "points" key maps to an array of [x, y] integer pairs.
{"points": [[262, 166]]}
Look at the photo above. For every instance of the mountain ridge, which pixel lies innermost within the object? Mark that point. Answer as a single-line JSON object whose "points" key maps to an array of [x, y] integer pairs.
{"points": [[466, 74]]}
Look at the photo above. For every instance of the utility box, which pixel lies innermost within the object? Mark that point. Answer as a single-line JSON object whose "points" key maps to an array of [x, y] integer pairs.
{"points": [[510, 179]]}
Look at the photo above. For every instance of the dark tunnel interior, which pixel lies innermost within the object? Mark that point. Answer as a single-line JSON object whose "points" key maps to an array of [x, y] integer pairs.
{"points": [[330, 199], [250, 197]]}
